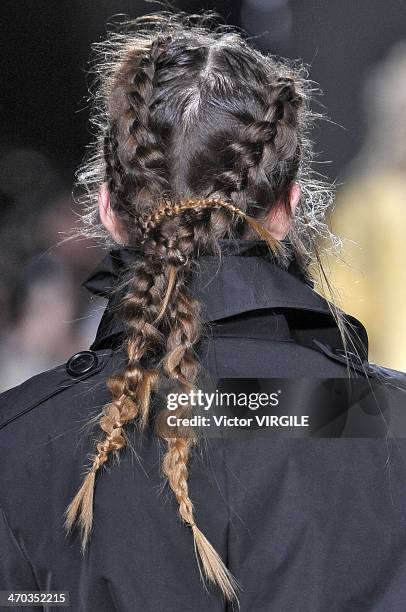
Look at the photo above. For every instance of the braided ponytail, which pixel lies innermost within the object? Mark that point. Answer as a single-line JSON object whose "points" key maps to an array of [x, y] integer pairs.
{"points": [[200, 136], [132, 390]]}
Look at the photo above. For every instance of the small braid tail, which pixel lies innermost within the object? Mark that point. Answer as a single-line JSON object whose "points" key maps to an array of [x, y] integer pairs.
{"points": [[81, 509], [213, 566]]}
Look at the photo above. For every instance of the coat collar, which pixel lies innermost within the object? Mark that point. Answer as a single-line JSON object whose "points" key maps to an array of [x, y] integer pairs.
{"points": [[243, 279], [245, 256]]}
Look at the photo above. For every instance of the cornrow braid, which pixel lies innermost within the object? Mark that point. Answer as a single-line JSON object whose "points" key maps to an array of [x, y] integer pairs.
{"points": [[283, 113], [260, 154], [132, 148]]}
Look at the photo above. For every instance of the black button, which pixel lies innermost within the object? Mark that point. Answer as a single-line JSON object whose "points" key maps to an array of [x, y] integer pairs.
{"points": [[82, 363]]}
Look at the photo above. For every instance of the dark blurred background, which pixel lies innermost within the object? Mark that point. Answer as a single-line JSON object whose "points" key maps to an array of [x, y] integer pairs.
{"points": [[356, 53]]}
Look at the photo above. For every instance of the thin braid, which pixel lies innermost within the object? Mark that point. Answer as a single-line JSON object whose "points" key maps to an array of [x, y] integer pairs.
{"points": [[179, 362], [167, 210], [171, 210], [131, 391], [181, 365]]}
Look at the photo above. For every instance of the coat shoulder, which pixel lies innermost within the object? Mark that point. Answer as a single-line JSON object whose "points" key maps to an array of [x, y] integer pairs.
{"points": [[38, 390]]}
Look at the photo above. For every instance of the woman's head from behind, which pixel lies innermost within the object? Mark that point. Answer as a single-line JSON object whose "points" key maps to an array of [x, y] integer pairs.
{"points": [[200, 137], [191, 113]]}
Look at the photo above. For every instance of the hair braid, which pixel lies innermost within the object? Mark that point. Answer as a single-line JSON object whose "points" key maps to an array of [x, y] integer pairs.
{"points": [[131, 390], [181, 366], [260, 154], [283, 113], [171, 210], [132, 147]]}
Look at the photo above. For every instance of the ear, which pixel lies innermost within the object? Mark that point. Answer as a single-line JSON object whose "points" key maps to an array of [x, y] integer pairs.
{"points": [[294, 197], [278, 221], [108, 216]]}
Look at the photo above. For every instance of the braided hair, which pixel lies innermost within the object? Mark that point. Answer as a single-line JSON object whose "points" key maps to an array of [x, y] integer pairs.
{"points": [[198, 137]]}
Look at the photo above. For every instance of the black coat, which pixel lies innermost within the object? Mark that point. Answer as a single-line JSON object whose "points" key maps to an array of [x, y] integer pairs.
{"points": [[305, 525]]}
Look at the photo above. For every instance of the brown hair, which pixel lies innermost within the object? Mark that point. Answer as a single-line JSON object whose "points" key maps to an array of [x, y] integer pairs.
{"points": [[199, 136]]}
